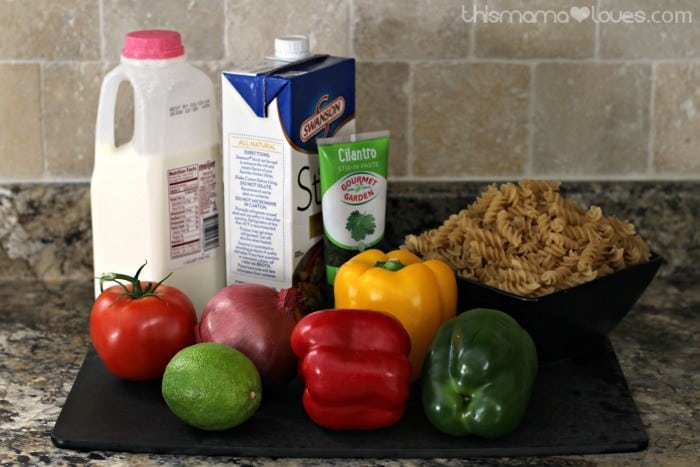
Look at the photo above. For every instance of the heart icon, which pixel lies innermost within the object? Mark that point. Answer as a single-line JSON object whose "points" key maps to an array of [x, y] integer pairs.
{"points": [[579, 13]]}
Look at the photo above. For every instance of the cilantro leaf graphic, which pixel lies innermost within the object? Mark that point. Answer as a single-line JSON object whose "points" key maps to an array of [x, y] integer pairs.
{"points": [[360, 225]]}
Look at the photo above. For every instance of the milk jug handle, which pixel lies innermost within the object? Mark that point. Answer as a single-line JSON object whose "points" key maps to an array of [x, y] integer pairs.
{"points": [[104, 128]]}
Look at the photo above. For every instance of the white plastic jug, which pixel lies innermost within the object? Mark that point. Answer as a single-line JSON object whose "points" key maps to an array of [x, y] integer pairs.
{"points": [[158, 198]]}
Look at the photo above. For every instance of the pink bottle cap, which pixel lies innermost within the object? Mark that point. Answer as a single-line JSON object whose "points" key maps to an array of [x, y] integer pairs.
{"points": [[153, 44]]}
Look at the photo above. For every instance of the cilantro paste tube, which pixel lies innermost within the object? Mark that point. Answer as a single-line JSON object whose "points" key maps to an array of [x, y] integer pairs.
{"points": [[353, 172]]}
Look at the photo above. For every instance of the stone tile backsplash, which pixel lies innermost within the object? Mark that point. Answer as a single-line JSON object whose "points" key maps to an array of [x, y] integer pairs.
{"points": [[470, 119], [676, 121], [671, 35], [21, 152], [541, 39], [470, 89], [591, 118]]}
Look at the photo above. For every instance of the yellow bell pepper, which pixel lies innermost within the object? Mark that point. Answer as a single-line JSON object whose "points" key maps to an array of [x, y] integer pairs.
{"points": [[420, 294]]}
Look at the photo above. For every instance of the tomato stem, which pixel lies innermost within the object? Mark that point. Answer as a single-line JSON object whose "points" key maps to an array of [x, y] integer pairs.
{"points": [[137, 287]]}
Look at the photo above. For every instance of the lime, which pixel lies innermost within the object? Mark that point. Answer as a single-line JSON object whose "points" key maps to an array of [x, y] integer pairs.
{"points": [[211, 386]]}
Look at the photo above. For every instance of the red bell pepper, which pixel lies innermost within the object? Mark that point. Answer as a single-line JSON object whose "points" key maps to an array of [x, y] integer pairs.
{"points": [[354, 364]]}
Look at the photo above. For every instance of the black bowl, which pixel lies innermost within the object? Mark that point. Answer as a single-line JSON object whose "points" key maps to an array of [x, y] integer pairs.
{"points": [[570, 321]]}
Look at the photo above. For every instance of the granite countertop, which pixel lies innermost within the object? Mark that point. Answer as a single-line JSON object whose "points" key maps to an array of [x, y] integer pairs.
{"points": [[44, 339]]}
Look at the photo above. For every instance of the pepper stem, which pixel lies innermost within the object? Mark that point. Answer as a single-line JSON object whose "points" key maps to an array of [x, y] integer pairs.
{"points": [[392, 264], [137, 290]]}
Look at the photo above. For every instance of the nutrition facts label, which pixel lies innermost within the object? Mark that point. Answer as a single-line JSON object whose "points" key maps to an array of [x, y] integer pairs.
{"points": [[193, 213], [256, 174]]}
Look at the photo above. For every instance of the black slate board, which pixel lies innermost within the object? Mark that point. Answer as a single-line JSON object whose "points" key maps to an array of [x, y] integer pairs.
{"points": [[580, 405]]}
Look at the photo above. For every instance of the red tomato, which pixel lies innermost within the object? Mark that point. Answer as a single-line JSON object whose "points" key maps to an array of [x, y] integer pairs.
{"points": [[136, 336]]}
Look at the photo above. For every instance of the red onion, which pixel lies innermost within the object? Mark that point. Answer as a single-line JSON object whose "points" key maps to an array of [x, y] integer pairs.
{"points": [[256, 320]]}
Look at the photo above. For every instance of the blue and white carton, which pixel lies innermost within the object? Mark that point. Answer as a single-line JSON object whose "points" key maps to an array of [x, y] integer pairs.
{"points": [[272, 113]]}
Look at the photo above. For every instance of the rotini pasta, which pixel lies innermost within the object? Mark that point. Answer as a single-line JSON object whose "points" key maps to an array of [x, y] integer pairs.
{"points": [[530, 240]]}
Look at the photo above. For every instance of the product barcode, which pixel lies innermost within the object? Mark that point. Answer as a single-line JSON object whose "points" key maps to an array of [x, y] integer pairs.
{"points": [[210, 225]]}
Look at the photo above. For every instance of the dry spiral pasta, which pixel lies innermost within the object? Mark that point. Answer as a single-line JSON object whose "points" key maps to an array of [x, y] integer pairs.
{"points": [[530, 240]]}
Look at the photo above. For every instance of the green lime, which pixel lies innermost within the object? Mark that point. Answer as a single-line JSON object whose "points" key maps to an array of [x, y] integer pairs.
{"points": [[211, 386]]}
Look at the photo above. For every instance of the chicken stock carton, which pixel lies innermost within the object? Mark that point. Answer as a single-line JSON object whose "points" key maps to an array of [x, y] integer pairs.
{"points": [[272, 114]]}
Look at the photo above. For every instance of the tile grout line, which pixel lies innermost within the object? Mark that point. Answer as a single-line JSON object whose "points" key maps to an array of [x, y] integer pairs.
{"points": [[42, 125], [447, 61], [351, 22], [652, 124], [529, 163], [472, 38], [596, 35], [103, 45], [225, 31], [410, 151]]}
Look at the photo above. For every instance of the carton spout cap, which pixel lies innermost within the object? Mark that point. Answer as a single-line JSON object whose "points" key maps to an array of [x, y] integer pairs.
{"points": [[291, 48]]}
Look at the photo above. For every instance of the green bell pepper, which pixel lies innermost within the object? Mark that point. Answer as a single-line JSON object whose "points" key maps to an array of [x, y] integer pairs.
{"points": [[479, 374]]}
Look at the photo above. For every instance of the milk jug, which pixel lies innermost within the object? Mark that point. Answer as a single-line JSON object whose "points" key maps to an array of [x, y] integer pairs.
{"points": [[158, 198]]}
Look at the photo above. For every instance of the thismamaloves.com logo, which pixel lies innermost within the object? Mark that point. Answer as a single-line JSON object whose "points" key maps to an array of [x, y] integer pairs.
{"points": [[485, 14]]}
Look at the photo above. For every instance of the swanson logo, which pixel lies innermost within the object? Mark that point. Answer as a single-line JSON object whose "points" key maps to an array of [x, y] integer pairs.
{"points": [[325, 114]]}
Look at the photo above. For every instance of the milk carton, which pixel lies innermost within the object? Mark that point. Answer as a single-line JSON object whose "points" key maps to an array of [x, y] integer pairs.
{"points": [[272, 113]]}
